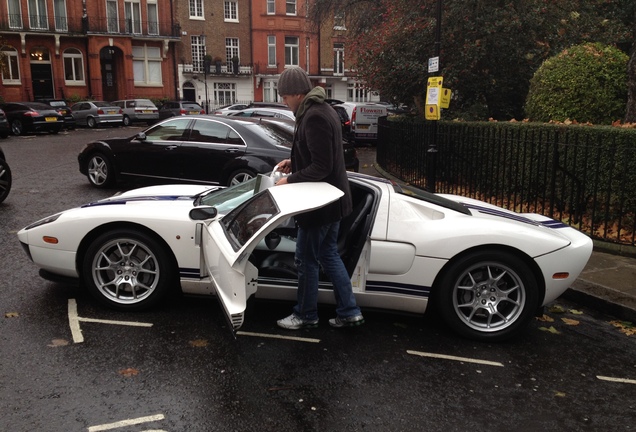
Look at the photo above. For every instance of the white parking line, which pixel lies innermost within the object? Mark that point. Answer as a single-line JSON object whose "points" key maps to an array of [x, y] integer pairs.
{"points": [[619, 380], [74, 320], [273, 336], [461, 359], [124, 423]]}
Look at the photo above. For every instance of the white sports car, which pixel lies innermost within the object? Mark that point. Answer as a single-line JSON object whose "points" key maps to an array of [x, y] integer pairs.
{"points": [[487, 270]]}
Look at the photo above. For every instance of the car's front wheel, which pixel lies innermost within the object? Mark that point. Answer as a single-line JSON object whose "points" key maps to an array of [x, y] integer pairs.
{"points": [[100, 171], [128, 270], [240, 176], [5, 179], [487, 295]]}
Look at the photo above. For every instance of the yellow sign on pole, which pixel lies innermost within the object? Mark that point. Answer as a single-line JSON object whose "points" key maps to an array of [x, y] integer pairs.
{"points": [[445, 98], [433, 98]]}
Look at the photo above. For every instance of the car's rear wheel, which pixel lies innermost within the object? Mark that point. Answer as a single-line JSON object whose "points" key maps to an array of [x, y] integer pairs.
{"points": [[91, 123], [5, 179], [127, 121], [240, 176], [127, 270], [100, 171], [16, 127], [487, 295]]}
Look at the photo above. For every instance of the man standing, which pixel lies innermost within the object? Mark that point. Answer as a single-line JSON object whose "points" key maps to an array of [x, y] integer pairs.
{"points": [[317, 156]]}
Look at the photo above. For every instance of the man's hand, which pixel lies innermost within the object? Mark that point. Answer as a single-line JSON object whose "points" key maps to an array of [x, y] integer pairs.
{"points": [[282, 181], [285, 166]]}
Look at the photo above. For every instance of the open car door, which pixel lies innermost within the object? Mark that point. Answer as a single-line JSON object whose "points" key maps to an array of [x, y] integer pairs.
{"points": [[228, 242]]}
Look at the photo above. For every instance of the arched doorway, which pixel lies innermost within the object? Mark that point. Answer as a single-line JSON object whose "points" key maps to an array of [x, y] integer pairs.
{"points": [[189, 92], [41, 74], [110, 58]]}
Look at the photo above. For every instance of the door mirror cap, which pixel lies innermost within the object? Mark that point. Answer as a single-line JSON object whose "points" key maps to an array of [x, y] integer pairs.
{"points": [[203, 213]]}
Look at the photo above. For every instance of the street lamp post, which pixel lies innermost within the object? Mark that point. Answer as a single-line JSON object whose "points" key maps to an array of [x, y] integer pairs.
{"points": [[431, 157], [207, 62]]}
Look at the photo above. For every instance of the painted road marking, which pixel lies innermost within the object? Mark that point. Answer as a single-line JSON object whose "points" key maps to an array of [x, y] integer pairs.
{"points": [[123, 423], [273, 336], [74, 320], [461, 359], [619, 380]]}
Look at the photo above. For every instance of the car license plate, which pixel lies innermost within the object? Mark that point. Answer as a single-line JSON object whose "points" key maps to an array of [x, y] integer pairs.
{"points": [[50, 119], [147, 112], [112, 112], [363, 126], [194, 112]]}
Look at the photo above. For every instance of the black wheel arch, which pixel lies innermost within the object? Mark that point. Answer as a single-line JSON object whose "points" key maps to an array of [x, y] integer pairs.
{"points": [[90, 150]]}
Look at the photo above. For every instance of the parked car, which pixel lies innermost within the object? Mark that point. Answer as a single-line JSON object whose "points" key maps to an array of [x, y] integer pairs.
{"points": [[179, 108], [5, 127], [5, 177], [63, 109], [345, 121], [483, 269], [138, 110], [201, 149], [227, 109], [264, 112], [364, 120], [27, 117], [97, 113]]}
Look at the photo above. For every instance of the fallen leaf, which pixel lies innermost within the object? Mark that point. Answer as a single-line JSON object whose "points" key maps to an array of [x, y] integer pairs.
{"points": [[625, 327], [199, 343], [551, 329], [569, 321], [559, 394], [58, 342], [575, 312], [11, 315], [129, 372], [545, 318], [556, 309]]}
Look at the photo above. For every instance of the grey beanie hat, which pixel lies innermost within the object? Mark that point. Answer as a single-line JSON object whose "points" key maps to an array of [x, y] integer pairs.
{"points": [[292, 81]]}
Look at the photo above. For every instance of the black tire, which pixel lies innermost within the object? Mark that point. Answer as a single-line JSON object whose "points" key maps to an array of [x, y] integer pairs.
{"points": [[100, 171], [5, 179], [126, 121], [91, 123], [240, 176], [487, 295], [17, 128], [128, 270], [4, 135], [55, 131]]}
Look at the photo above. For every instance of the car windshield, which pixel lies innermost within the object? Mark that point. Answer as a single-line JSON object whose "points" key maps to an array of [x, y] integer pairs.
{"points": [[143, 103], [102, 104], [192, 106], [57, 103], [225, 200]]}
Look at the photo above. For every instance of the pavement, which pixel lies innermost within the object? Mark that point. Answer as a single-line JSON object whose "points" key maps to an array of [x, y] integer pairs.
{"points": [[608, 281]]}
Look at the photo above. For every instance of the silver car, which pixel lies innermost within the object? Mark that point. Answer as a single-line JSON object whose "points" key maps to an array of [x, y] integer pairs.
{"points": [[138, 110], [93, 113]]}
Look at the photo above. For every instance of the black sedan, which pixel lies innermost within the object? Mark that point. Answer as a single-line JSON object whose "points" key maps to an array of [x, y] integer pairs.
{"points": [[32, 117], [194, 149], [5, 177], [5, 129], [65, 111]]}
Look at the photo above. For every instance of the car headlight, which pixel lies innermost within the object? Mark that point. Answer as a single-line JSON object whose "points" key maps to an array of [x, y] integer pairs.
{"points": [[44, 221]]}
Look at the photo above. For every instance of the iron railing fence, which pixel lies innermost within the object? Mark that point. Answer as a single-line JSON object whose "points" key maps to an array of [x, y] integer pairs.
{"points": [[581, 175]]}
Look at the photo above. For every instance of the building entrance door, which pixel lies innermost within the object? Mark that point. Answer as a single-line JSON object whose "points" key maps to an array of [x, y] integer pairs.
{"points": [[109, 57], [41, 74]]}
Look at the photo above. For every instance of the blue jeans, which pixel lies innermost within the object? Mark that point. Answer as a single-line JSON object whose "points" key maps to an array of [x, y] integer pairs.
{"points": [[316, 247]]}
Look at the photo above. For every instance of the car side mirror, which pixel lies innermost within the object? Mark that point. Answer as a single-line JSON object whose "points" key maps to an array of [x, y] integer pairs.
{"points": [[203, 213], [141, 136]]}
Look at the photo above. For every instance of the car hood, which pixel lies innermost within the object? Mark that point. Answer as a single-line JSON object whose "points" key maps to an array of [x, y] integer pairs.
{"points": [[185, 192]]}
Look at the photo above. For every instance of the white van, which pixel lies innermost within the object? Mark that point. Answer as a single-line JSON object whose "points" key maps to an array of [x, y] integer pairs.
{"points": [[364, 120]]}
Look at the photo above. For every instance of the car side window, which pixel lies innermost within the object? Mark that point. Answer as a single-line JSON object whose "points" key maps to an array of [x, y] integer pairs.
{"points": [[173, 130], [209, 131]]}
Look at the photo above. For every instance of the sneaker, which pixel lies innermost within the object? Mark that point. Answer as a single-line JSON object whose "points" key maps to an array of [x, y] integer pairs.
{"points": [[292, 322], [351, 321]]}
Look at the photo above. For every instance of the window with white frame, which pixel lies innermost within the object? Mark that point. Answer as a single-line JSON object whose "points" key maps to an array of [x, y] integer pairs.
{"points": [[197, 43], [270, 91], [291, 51], [271, 51], [15, 14], [147, 65], [338, 59], [112, 16], [339, 20], [231, 50], [357, 93], [132, 11], [224, 93], [271, 7], [290, 7], [196, 8], [10, 66], [38, 18], [59, 11], [73, 66], [153, 17], [230, 10]]}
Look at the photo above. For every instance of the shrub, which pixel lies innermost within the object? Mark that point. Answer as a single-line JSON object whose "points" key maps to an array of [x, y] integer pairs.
{"points": [[586, 83]]}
